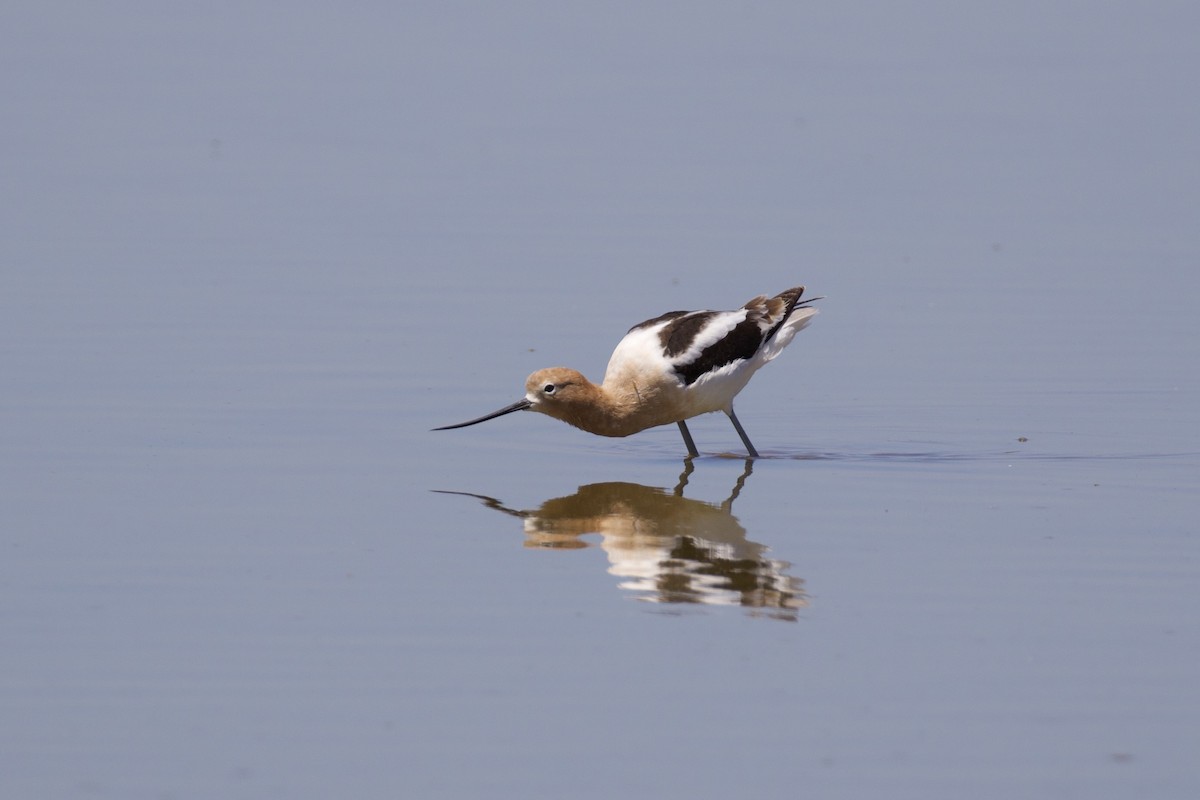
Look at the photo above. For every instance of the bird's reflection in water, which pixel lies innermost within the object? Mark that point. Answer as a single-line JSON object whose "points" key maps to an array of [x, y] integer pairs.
{"points": [[665, 547]]}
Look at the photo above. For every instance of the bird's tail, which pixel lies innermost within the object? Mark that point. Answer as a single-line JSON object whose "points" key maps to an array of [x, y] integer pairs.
{"points": [[790, 315]]}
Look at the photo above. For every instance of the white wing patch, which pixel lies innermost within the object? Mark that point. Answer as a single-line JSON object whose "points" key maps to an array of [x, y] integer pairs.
{"points": [[716, 329], [639, 352]]}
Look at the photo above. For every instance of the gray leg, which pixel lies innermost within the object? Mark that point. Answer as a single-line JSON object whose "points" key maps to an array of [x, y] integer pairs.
{"points": [[737, 426], [687, 439]]}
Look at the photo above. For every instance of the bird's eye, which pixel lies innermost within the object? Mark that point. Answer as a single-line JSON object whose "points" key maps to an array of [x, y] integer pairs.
{"points": [[548, 388]]}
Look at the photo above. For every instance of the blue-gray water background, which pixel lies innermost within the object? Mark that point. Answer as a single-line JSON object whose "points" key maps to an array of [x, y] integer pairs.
{"points": [[251, 253]]}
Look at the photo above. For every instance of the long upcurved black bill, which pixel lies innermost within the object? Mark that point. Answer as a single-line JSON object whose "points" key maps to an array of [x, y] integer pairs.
{"points": [[520, 405]]}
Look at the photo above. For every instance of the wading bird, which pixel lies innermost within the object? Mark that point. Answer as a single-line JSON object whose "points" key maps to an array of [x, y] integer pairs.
{"points": [[670, 369]]}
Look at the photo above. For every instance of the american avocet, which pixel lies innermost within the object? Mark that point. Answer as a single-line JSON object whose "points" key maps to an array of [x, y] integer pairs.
{"points": [[670, 369]]}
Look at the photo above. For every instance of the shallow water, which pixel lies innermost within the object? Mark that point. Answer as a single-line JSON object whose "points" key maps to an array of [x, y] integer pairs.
{"points": [[251, 261]]}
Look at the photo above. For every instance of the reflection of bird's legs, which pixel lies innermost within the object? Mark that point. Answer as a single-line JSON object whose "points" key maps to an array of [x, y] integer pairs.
{"points": [[737, 487], [688, 469]]}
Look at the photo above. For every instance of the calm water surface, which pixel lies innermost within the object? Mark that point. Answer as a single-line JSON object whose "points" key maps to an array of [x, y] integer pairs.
{"points": [[251, 260]]}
